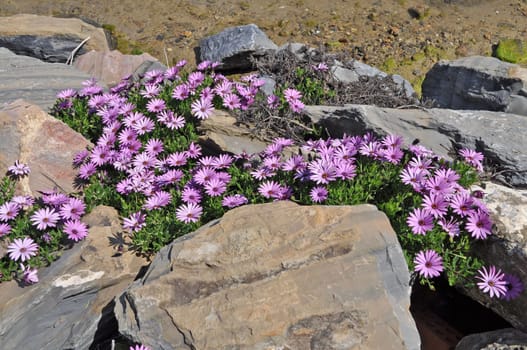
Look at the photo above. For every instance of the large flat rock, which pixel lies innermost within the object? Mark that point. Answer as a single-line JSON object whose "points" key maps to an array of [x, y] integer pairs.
{"points": [[276, 276], [31, 79], [70, 307], [499, 136], [46, 144]]}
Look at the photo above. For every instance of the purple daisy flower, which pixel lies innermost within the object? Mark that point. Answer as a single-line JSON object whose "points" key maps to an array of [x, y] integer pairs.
{"points": [[322, 172], [154, 147], [44, 218], [158, 200], [68, 93], [296, 106], [318, 194], [514, 287], [472, 157], [86, 170], [451, 226], [479, 225], [29, 275], [5, 229], [292, 95], [231, 101], [204, 175], [420, 221], [273, 101], [492, 281], [150, 91], [74, 209], [202, 108], [135, 222], [18, 169], [194, 150], [155, 105], [100, 155], [436, 204], [233, 201], [270, 189], [191, 195], [22, 249], [143, 125], [189, 212], [181, 92], [75, 229], [461, 203], [9, 211], [215, 187], [222, 161], [428, 263]]}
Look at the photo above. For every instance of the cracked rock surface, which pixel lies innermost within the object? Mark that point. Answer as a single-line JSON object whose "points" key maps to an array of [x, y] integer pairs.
{"points": [[276, 276]]}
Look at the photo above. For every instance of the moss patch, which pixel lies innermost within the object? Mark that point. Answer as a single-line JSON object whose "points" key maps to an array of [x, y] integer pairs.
{"points": [[512, 50]]}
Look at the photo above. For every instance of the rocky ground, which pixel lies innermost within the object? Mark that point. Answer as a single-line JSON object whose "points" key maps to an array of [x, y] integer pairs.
{"points": [[399, 36]]}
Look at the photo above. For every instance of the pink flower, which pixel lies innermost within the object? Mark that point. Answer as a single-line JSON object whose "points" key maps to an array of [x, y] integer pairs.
{"points": [[479, 225], [234, 200], [231, 101], [215, 187], [155, 105], [75, 229], [5, 229], [318, 194], [189, 212], [29, 275], [492, 281], [270, 189], [18, 169], [9, 211], [292, 95], [435, 204], [73, 209], [44, 218], [191, 195], [135, 222], [420, 221], [428, 263], [139, 347], [22, 249], [202, 108]]}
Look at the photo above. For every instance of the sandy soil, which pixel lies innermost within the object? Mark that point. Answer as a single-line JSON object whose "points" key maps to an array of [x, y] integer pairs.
{"points": [[398, 36]]}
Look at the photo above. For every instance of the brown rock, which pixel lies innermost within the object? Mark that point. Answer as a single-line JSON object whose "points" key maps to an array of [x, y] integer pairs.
{"points": [[68, 307], [110, 66], [46, 144], [276, 276], [221, 134]]}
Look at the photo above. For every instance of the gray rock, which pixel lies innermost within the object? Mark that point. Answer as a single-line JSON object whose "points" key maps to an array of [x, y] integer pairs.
{"points": [[50, 39], [69, 308], [35, 81], [478, 83], [506, 248], [355, 70], [499, 136], [234, 47], [502, 339], [276, 276]]}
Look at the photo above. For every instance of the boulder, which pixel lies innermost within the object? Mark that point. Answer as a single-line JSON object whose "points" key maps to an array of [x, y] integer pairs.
{"points": [[70, 307], [110, 66], [506, 248], [499, 136], [219, 134], [46, 144], [49, 39], [478, 83], [502, 339], [35, 81], [234, 47], [354, 70], [276, 276]]}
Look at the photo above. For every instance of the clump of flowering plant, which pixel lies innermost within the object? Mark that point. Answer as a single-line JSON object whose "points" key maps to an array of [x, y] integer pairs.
{"points": [[147, 163], [35, 229]]}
